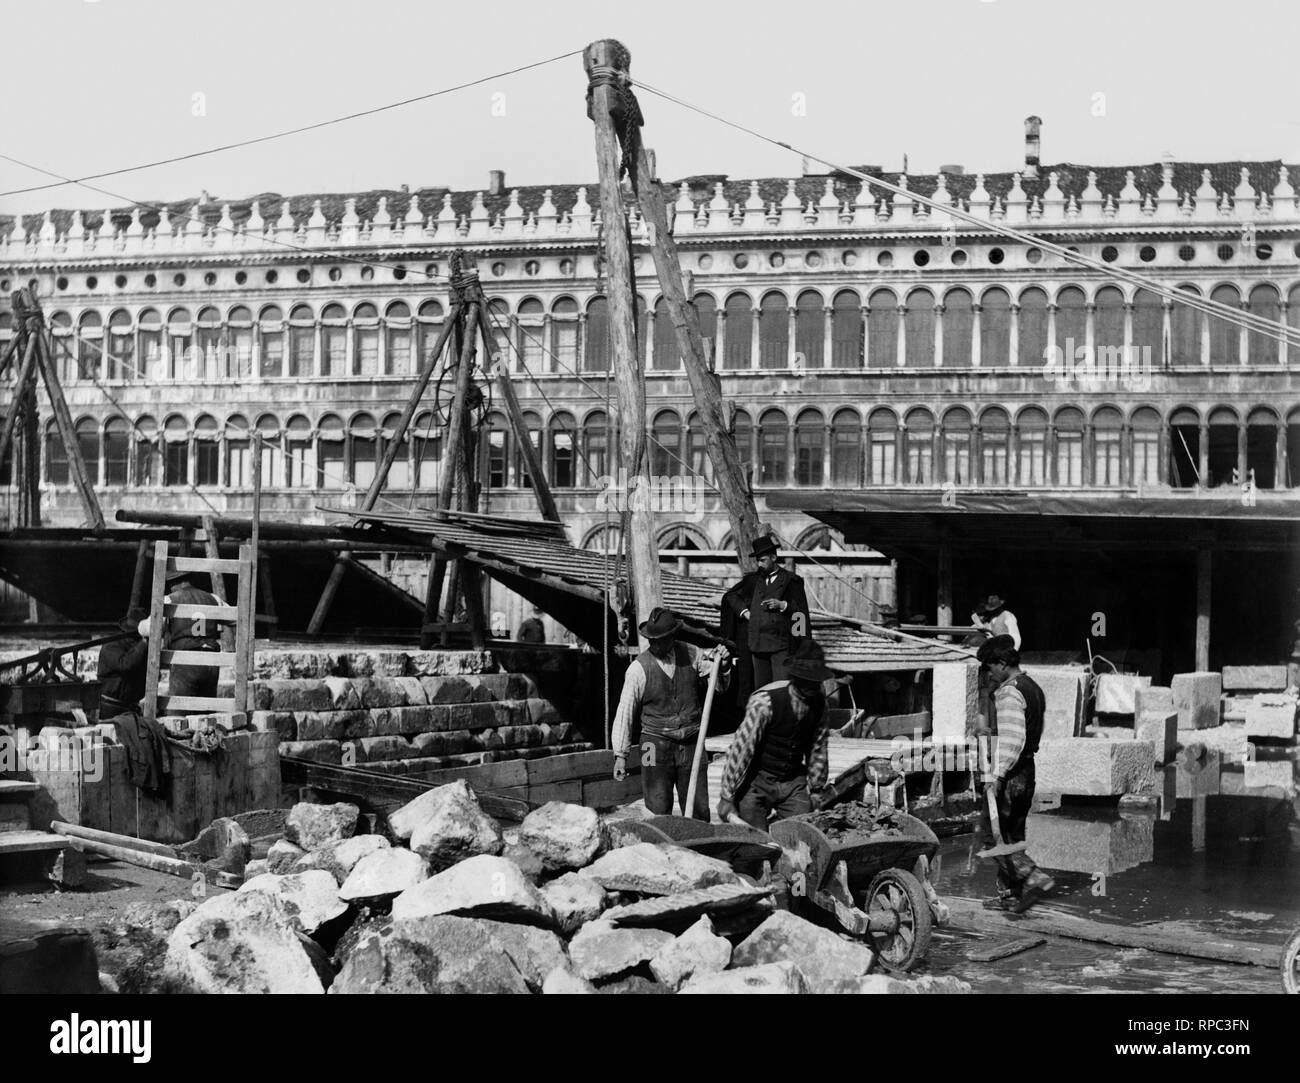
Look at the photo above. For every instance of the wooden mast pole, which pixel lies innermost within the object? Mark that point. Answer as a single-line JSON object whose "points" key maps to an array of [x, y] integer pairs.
{"points": [[605, 61]]}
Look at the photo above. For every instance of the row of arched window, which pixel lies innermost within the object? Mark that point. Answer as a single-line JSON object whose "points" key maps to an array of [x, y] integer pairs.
{"points": [[889, 327]]}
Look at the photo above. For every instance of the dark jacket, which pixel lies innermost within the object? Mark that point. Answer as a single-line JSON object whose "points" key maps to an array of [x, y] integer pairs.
{"points": [[735, 629], [772, 631], [122, 667], [532, 631]]}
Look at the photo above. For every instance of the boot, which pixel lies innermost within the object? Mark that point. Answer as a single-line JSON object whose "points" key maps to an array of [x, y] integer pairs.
{"points": [[1037, 887]]}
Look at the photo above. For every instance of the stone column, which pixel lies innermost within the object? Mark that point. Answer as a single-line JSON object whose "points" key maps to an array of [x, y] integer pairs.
{"points": [[791, 346], [901, 359], [755, 357], [1243, 338], [1279, 456], [1162, 453], [938, 334], [720, 345], [826, 453], [1242, 476], [1203, 454], [1013, 346], [1090, 331], [975, 350], [1281, 345], [1205, 339], [1067, 363], [317, 349], [828, 337], [1166, 358]]}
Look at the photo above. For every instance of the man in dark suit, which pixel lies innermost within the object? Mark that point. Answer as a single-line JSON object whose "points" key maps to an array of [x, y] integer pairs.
{"points": [[777, 614]]}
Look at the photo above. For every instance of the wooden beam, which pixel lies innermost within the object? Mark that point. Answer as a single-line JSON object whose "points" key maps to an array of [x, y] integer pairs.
{"points": [[326, 599], [602, 59], [137, 580], [63, 418], [15, 407], [1204, 557]]}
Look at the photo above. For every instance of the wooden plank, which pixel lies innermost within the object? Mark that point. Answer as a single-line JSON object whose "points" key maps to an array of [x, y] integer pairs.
{"points": [[23, 842], [153, 668], [180, 798], [1005, 949], [207, 704], [226, 613], [219, 565], [96, 799], [606, 793], [244, 629], [16, 787], [491, 776], [204, 810], [198, 658], [595, 764], [233, 795], [570, 792], [112, 838]]}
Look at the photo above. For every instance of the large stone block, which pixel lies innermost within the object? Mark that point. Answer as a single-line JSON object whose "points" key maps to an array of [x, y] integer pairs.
{"points": [[292, 695], [382, 692], [1254, 678], [1161, 730], [1152, 699], [543, 710], [1272, 778], [1091, 767], [1196, 699], [278, 722], [1064, 689], [377, 749], [317, 751], [449, 743], [1229, 740], [1271, 715], [284, 665], [327, 725], [374, 663], [449, 663], [1068, 844], [955, 704], [1116, 692]]}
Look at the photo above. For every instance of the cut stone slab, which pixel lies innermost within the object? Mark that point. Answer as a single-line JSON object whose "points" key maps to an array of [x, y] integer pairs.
{"points": [[339, 858], [315, 751], [310, 898], [535, 952], [313, 826], [1254, 678], [1093, 767], [659, 869], [1068, 844], [292, 695], [241, 942], [1277, 777], [1271, 715], [1196, 699], [481, 886], [1116, 692], [446, 824], [433, 954], [1154, 698], [697, 951], [782, 977], [383, 874], [282, 855], [564, 981], [600, 951], [1229, 740], [1161, 731], [820, 954], [956, 699], [1064, 689], [563, 835], [672, 910], [576, 899]]}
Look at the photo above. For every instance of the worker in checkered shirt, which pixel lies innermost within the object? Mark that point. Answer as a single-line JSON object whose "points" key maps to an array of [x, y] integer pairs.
{"points": [[1017, 724], [778, 759]]}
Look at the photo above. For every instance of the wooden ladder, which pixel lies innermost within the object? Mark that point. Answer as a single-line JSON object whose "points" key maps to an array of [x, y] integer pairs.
{"points": [[161, 612]]}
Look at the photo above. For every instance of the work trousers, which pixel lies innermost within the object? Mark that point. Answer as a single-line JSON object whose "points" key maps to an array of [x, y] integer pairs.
{"points": [[769, 667], [666, 766], [1015, 798], [766, 794]]}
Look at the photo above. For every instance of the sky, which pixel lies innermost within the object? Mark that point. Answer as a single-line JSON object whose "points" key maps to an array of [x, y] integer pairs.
{"points": [[115, 83]]}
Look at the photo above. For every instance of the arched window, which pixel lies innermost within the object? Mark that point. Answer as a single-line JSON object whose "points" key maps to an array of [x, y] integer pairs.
{"points": [[365, 340], [1031, 331], [562, 468], [919, 441], [176, 451], [809, 448], [595, 447], [207, 451], [499, 320], [1261, 447], [1221, 457], [958, 328], [90, 346], [88, 445], [846, 449], [65, 353], [150, 329], [1071, 326], [530, 319], [773, 438], [666, 445], [773, 331], [121, 346], [239, 352], [605, 539], [598, 347], [426, 448], [117, 451], [706, 311], [1146, 446], [300, 453], [56, 455], [681, 536], [810, 328], [533, 426], [498, 452], [1148, 333], [919, 329], [1292, 464], [207, 339], [564, 335], [846, 331], [331, 453], [1108, 334], [270, 322], [743, 433], [1185, 330], [995, 447], [995, 328], [882, 427], [239, 463], [1266, 303], [1225, 337], [1031, 447], [1293, 321], [302, 341], [666, 354], [428, 328], [334, 341], [882, 330], [697, 449], [1107, 425], [148, 455], [956, 434], [397, 340], [272, 465], [1184, 448], [1069, 446], [364, 437], [739, 311]]}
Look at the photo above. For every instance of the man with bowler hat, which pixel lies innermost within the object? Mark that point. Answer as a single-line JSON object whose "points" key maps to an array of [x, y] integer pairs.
{"points": [[777, 615]]}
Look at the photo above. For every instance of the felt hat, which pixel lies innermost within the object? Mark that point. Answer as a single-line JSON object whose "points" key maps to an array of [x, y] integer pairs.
{"points": [[176, 577], [765, 544], [993, 646], [809, 664], [992, 602], [661, 622], [133, 617]]}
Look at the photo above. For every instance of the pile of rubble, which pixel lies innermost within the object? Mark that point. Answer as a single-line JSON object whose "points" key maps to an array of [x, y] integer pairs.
{"points": [[448, 902]]}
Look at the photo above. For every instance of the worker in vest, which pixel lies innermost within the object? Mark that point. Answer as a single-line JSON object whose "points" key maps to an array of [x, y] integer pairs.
{"points": [[777, 760], [777, 615], [1017, 726], [662, 689], [189, 634], [993, 617]]}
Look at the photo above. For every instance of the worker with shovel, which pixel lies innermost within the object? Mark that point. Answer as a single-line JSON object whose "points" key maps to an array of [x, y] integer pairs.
{"points": [[1017, 725]]}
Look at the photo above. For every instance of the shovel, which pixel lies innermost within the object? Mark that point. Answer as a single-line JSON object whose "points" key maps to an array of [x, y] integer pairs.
{"points": [[1003, 848], [702, 736]]}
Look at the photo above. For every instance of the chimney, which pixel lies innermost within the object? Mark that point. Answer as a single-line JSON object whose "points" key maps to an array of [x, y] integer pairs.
{"points": [[496, 182], [954, 170], [1032, 127]]}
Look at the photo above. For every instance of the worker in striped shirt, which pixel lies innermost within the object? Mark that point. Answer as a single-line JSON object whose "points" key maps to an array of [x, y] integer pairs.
{"points": [[1017, 724]]}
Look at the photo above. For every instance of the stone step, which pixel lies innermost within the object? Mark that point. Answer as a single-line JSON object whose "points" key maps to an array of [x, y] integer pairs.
{"points": [[406, 721], [370, 750], [23, 842], [357, 693]]}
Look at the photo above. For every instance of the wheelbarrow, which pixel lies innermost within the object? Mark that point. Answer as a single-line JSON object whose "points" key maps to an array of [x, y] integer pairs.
{"points": [[744, 848], [868, 867]]}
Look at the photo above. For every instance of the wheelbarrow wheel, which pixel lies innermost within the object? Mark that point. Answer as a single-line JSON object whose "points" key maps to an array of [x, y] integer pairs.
{"points": [[900, 915], [1291, 964]]}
